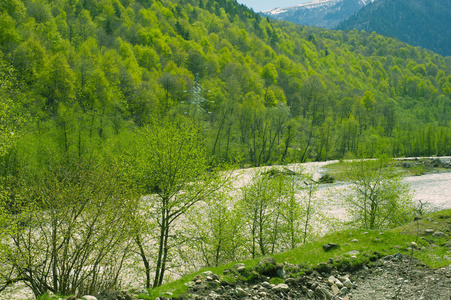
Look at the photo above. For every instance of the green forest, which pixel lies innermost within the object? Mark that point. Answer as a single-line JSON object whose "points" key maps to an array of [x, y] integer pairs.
{"points": [[77, 73], [424, 23], [105, 104]]}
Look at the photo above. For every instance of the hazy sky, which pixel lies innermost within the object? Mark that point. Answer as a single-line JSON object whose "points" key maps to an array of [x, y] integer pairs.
{"points": [[262, 5]]}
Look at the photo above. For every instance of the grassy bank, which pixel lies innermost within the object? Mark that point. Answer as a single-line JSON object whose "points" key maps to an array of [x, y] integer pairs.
{"points": [[431, 249]]}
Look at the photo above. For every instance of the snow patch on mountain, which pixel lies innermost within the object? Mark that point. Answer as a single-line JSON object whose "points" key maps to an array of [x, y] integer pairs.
{"points": [[322, 13]]}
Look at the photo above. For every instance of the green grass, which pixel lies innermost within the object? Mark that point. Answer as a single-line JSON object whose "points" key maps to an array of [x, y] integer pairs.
{"points": [[337, 169], [388, 242]]}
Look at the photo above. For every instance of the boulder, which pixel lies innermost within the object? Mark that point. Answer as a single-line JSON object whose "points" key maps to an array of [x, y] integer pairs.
{"points": [[330, 246], [240, 292], [269, 267]]}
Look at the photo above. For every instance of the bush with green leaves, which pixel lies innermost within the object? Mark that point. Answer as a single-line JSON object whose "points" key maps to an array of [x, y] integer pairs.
{"points": [[70, 232], [378, 198]]}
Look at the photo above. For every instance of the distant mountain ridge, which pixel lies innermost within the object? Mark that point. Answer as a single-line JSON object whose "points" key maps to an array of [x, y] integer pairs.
{"points": [[424, 23], [320, 13]]}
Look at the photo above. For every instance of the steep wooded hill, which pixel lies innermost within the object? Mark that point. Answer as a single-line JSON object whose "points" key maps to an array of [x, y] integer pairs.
{"points": [[275, 91], [424, 23]]}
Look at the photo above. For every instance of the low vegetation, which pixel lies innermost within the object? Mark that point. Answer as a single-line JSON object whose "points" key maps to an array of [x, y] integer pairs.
{"points": [[117, 117], [432, 250]]}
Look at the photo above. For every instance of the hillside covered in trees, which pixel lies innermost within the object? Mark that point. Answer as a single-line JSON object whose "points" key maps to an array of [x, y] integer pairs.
{"points": [[76, 73], [118, 119], [424, 23]]}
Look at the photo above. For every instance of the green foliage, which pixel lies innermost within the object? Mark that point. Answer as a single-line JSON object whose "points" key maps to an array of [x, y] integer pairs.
{"points": [[125, 63], [215, 230], [60, 232], [168, 162], [425, 22], [371, 244], [110, 80], [379, 199]]}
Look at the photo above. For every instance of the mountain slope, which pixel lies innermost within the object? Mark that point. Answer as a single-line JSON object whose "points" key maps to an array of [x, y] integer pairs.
{"points": [[321, 13], [424, 23], [108, 65]]}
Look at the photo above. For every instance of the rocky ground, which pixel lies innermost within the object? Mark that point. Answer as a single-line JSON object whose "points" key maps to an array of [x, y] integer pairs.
{"points": [[390, 277]]}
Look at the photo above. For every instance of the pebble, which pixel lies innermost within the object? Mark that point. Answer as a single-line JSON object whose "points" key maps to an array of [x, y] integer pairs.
{"points": [[335, 289], [331, 280], [283, 287], [241, 269], [240, 292], [347, 283], [289, 280], [322, 292]]}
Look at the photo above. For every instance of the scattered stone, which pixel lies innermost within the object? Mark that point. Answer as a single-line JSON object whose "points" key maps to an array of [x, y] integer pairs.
{"points": [[269, 267], [280, 272], [207, 273], [438, 233], [331, 280], [355, 241], [240, 292], [429, 231], [347, 283], [239, 265], [87, 297], [289, 280], [281, 287], [339, 284], [215, 277], [335, 289], [330, 246], [344, 290], [322, 292], [352, 253], [310, 293]]}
